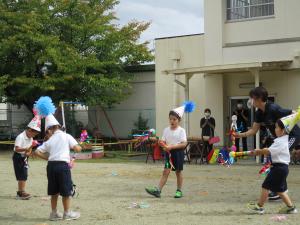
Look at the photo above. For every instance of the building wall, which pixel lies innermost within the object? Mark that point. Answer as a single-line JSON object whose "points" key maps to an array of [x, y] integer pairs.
{"points": [[123, 115], [254, 40], [205, 90]]}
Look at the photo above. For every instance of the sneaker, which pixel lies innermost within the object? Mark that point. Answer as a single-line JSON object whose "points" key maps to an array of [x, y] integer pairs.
{"points": [[153, 191], [256, 208], [22, 195], [71, 215], [273, 196], [288, 210], [54, 216], [178, 194]]}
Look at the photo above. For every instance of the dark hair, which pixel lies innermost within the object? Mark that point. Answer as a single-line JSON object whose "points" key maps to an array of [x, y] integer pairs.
{"points": [[173, 113], [207, 110], [280, 124], [32, 130], [240, 102], [259, 93]]}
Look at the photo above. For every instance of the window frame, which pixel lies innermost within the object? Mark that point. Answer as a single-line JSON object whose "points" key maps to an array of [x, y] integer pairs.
{"points": [[230, 9]]}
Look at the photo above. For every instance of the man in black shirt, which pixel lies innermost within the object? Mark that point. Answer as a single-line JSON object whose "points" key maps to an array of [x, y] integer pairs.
{"points": [[242, 124], [267, 114]]}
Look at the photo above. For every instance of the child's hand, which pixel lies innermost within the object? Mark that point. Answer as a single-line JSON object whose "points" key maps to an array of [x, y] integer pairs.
{"points": [[28, 152], [167, 148]]}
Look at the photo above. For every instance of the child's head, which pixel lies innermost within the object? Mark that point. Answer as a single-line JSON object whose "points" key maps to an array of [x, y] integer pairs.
{"points": [[31, 133], [174, 119], [279, 128]]}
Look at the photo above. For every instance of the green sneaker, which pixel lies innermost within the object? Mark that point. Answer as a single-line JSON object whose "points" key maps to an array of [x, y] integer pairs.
{"points": [[256, 208], [288, 210], [153, 191], [178, 194]]}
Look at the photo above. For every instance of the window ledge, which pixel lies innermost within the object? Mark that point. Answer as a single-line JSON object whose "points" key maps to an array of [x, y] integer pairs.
{"points": [[250, 19]]}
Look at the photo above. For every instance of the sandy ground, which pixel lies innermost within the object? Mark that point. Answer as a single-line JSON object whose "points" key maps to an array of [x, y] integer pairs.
{"points": [[212, 195]]}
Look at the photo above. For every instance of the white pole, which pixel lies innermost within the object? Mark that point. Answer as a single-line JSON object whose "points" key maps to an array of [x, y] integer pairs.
{"points": [[257, 137], [186, 97], [63, 115]]}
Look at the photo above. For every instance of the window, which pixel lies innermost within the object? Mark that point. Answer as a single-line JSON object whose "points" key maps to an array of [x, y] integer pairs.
{"points": [[247, 9], [3, 111]]}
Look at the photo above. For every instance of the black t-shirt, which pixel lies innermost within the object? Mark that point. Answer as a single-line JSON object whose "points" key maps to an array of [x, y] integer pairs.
{"points": [[207, 130], [272, 113], [241, 122]]}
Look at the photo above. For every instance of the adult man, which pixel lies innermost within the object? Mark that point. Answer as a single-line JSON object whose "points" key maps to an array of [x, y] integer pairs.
{"points": [[267, 114]]}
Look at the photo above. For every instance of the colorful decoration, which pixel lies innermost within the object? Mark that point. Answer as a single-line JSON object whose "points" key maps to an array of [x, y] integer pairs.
{"points": [[213, 156], [164, 146], [265, 170], [290, 121], [44, 106], [145, 136], [224, 157], [84, 136], [240, 154], [189, 106]]}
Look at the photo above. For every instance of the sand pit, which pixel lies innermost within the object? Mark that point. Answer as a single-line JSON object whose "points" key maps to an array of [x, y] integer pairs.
{"points": [[107, 191]]}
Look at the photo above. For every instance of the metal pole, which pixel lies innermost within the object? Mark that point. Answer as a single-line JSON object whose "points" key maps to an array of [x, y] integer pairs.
{"points": [[257, 137], [63, 115]]}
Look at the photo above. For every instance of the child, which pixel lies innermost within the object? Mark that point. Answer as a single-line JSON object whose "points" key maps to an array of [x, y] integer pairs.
{"points": [[22, 149], [276, 179], [175, 138], [58, 172]]}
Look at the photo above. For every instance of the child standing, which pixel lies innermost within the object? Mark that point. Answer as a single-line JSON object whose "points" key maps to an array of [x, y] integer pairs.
{"points": [[276, 179], [58, 172], [22, 149], [175, 138]]}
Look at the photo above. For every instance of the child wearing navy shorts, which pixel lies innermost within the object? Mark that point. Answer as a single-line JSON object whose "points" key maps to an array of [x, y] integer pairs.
{"points": [[276, 179], [22, 150], [175, 139], [57, 148]]}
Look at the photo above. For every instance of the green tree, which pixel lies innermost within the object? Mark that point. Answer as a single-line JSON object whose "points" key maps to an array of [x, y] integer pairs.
{"points": [[67, 49]]}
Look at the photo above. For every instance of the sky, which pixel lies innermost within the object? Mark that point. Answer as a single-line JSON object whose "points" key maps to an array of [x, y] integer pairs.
{"points": [[167, 17]]}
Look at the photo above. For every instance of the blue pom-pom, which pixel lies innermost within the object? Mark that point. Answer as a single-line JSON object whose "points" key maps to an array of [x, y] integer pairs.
{"points": [[189, 106], [44, 106]]}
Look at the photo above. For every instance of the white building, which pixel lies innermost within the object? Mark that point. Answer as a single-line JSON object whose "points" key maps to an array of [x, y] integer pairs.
{"points": [[246, 42]]}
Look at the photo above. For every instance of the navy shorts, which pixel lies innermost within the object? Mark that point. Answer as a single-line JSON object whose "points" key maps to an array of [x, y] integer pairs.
{"points": [[59, 178], [20, 166], [276, 179], [177, 157]]}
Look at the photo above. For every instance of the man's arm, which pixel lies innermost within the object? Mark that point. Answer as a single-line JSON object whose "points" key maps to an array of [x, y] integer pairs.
{"points": [[252, 131]]}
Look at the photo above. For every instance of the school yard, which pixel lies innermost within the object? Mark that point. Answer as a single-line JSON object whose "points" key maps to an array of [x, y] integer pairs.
{"points": [[212, 194]]}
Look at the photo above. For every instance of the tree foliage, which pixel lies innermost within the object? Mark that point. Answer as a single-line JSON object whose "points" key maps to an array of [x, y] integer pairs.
{"points": [[67, 49]]}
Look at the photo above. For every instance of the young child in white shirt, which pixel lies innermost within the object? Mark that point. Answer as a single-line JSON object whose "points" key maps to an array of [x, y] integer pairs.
{"points": [[58, 148], [276, 179], [22, 150], [175, 140]]}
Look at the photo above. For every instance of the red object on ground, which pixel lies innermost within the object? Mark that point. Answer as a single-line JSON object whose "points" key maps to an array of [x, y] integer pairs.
{"points": [[156, 152]]}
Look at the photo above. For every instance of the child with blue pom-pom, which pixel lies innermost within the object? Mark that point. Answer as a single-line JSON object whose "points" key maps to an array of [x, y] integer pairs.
{"points": [[57, 151], [175, 140]]}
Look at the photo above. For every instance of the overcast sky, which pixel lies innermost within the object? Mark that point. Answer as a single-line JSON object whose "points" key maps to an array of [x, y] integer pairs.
{"points": [[167, 17]]}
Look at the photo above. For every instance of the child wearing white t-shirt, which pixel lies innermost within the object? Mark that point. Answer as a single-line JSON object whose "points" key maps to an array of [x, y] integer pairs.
{"points": [[175, 139], [57, 148], [276, 179], [22, 149]]}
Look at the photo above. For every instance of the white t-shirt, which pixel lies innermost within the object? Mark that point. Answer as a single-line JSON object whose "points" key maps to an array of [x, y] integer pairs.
{"points": [[22, 141], [280, 150], [58, 146], [174, 137]]}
